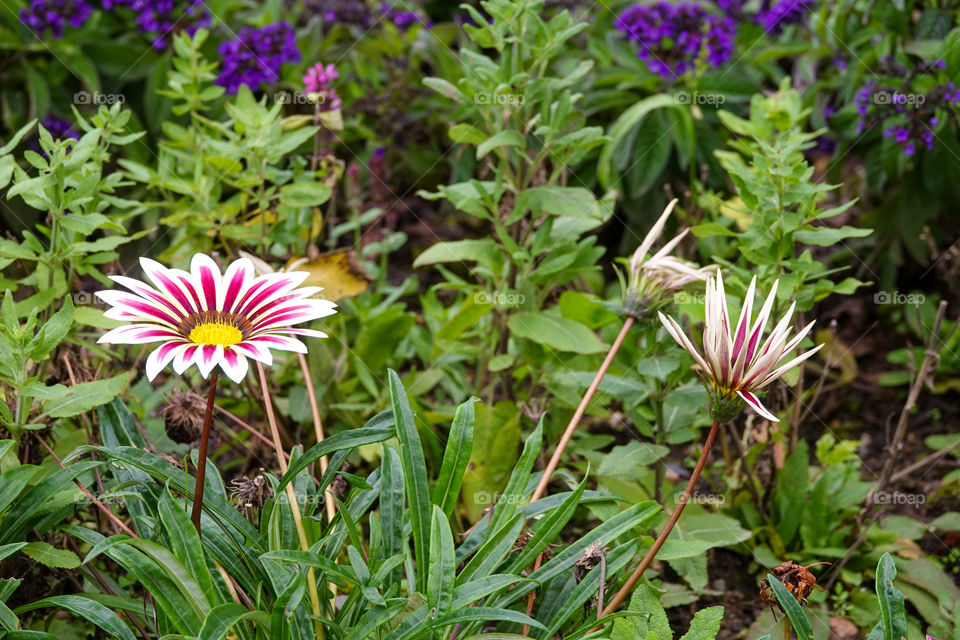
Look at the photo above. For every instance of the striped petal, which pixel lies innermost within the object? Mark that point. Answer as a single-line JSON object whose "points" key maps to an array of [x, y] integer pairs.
{"points": [[234, 364], [757, 406], [139, 334], [161, 357]]}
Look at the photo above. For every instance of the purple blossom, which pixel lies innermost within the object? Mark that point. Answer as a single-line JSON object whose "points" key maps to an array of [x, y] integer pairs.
{"points": [[164, 18], [319, 80], [256, 56], [403, 19], [782, 13], [58, 128], [674, 37], [41, 15]]}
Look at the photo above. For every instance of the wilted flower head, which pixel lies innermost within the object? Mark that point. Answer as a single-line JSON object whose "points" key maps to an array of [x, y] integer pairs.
{"points": [[653, 278], [256, 56], [674, 37], [41, 15], [734, 365], [206, 318]]}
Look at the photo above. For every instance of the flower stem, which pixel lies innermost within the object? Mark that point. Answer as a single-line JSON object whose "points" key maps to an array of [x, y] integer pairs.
{"points": [[318, 429], [578, 414], [202, 457], [625, 590], [292, 499]]}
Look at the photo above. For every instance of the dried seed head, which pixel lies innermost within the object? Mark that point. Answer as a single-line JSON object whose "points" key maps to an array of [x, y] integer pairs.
{"points": [[250, 493], [592, 556], [183, 415]]}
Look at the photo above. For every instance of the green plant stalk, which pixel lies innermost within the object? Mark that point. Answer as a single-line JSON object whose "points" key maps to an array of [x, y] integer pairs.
{"points": [[625, 590], [202, 455], [292, 499]]}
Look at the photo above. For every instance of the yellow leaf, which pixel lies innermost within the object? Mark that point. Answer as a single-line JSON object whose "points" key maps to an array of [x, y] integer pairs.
{"points": [[339, 273], [735, 209]]}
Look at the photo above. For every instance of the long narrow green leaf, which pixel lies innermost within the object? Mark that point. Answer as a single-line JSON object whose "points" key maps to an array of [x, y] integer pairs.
{"points": [[456, 456], [10, 549], [374, 618], [547, 529], [221, 618], [474, 590], [392, 512], [89, 610], [604, 534], [414, 473], [588, 586], [798, 619], [185, 543], [13, 481], [519, 479], [494, 549], [378, 432], [8, 619], [441, 579], [20, 518], [166, 593]]}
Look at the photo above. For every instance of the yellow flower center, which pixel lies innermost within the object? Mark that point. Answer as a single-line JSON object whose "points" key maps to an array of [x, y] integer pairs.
{"points": [[216, 332]]}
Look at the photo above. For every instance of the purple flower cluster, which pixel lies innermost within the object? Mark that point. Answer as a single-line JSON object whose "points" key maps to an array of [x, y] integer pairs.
{"points": [[345, 12], [403, 19], [908, 118], [256, 56], [319, 80], [674, 37], [782, 13], [162, 19], [41, 15]]}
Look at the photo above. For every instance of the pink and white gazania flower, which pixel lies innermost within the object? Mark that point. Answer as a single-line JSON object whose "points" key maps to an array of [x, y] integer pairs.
{"points": [[653, 278], [735, 364], [207, 319]]}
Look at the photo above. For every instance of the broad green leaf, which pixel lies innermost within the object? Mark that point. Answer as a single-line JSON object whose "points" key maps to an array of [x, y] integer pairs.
{"points": [[85, 396], [506, 138], [892, 614], [49, 556], [829, 236], [304, 194], [185, 542], [555, 332], [705, 624]]}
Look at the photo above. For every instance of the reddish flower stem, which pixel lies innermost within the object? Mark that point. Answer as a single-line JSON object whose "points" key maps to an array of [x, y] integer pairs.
{"points": [[202, 457], [625, 590], [578, 414]]}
